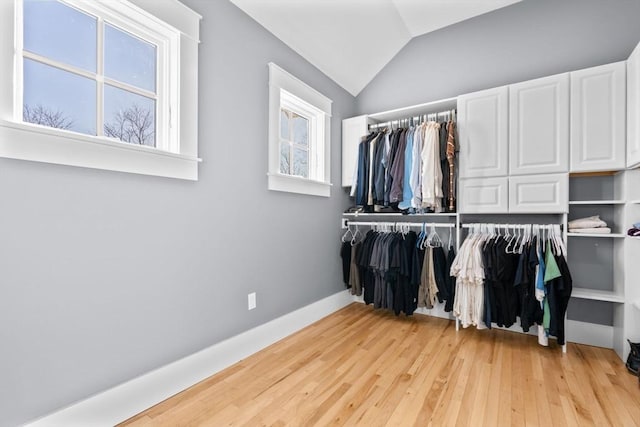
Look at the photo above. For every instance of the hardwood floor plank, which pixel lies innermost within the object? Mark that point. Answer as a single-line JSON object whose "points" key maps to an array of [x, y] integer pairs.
{"points": [[367, 367]]}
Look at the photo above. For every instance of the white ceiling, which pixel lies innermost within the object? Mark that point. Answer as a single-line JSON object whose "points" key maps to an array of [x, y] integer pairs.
{"points": [[352, 40]]}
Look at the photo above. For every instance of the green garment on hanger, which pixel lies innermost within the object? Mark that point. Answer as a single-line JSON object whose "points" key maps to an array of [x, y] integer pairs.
{"points": [[551, 267]]}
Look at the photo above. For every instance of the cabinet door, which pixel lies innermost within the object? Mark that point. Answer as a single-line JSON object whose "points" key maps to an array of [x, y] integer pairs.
{"points": [[353, 129], [539, 193], [483, 132], [598, 118], [539, 126], [484, 195], [633, 108]]}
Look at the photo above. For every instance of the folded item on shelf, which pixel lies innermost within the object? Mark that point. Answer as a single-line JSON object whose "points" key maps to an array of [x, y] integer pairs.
{"points": [[636, 225], [594, 230], [635, 231], [588, 222]]}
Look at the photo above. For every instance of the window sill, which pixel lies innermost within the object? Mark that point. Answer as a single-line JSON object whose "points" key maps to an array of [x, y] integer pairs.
{"points": [[296, 184], [41, 144]]}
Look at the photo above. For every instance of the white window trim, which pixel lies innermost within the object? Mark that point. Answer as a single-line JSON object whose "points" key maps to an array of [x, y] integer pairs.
{"points": [[317, 186], [28, 141]]}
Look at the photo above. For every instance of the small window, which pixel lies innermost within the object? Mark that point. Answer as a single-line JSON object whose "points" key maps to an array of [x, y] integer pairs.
{"points": [[115, 73], [299, 136]]}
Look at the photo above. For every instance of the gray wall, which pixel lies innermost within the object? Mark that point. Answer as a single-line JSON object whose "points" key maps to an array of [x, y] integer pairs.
{"points": [[530, 39], [105, 276]]}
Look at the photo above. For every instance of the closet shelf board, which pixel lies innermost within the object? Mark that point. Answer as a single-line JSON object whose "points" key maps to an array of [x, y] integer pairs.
{"points": [[427, 215], [610, 235], [415, 110], [596, 202], [597, 295], [634, 202]]}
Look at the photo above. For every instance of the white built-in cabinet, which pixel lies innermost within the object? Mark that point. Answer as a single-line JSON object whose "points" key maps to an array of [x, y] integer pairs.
{"points": [[484, 195], [519, 132], [483, 133], [546, 193], [353, 129], [633, 109], [539, 126], [598, 118]]}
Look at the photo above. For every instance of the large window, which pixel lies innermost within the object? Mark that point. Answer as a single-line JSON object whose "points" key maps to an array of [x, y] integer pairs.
{"points": [[89, 75], [299, 125], [104, 71]]}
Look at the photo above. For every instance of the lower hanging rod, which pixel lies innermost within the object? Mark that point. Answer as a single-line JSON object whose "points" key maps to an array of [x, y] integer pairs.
{"points": [[406, 224]]}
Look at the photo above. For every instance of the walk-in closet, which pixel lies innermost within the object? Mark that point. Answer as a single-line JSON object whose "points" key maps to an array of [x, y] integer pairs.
{"points": [[314, 213]]}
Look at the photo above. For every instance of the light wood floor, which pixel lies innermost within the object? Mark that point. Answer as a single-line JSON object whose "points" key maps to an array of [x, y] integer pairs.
{"points": [[369, 368]]}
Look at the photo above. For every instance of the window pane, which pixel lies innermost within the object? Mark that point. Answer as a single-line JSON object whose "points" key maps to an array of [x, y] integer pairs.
{"points": [[129, 59], [300, 162], [284, 158], [129, 117], [60, 32], [59, 99], [300, 130], [284, 124]]}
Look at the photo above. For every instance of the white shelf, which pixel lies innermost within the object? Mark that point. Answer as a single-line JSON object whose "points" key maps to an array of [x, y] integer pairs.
{"points": [[597, 202], [398, 214], [415, 110], [634, 202], [609, 235], [597, 295]]}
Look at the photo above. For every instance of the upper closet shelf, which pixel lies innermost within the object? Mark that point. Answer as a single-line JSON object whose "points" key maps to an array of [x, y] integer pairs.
{"points": [[634, 202], [415, 110], [597, 295], [596, 202], [613, 235], [399, 214]]}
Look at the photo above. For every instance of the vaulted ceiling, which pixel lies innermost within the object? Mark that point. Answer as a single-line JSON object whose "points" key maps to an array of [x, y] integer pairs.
{"points": [[352, 40]]}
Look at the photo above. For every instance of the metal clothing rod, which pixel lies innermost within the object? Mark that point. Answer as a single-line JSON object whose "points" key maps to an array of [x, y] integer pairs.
{"points": [[516, 226], [409, 224], [451, 113]]}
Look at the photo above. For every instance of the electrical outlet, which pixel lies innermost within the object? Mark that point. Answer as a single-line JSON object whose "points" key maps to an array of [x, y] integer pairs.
{"points": [[251, 300]]}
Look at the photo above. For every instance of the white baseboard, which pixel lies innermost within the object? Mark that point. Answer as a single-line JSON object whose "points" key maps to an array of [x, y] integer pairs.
{"points": [[126, 400], [589, 333], [575, 331]]}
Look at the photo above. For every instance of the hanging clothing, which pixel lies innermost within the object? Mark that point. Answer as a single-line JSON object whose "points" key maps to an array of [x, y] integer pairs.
{"points": [[392, 273], [452, 169], [407, 169], [500, 278], [415, 180], [431, 171], [345, 255], [407, 193]]}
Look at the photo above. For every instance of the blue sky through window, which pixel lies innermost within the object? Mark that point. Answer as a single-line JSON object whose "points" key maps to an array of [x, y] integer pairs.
{"points": [[63, 34], [60, 91], [129, 59], [60, 32]]}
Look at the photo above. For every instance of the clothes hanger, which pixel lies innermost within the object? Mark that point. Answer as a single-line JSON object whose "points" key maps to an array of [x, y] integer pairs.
{"points": [[355, 236], [348, 232], [434, 239], [558, 233], [514, 237], [420, 236]]}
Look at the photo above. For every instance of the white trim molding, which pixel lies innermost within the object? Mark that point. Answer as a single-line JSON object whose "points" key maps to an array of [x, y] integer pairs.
{"points": [[126, 400], [48, 145], [285, 89], [169, 24]]}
